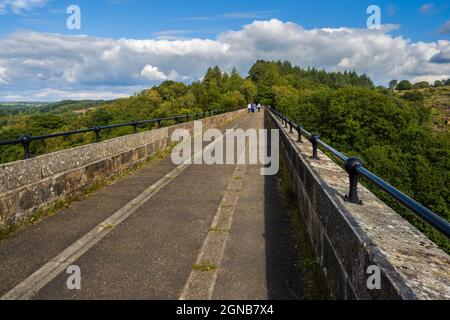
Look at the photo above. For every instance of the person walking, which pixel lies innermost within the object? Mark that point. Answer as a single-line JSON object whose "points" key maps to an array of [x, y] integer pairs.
{"points": [[259, 107], [249, 107]]}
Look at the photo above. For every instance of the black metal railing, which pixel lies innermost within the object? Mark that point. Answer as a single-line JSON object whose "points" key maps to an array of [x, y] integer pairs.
{"points": [[355, 168], [26, 140]]}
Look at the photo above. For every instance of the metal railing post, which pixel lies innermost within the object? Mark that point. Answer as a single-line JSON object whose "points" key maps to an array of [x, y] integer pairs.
{"points": [[290, 126], [351, 166], [299, 131], [315, 145], [97, 134], [26, 140]]}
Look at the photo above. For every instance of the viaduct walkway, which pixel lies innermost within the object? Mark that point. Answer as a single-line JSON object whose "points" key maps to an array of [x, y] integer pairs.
{"points": [[163, 232], [195, 232]]}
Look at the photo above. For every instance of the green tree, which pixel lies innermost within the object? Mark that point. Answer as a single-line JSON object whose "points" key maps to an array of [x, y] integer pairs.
{"points": [[438, 83], [234, 82], [404, 85], [421, 85], [100, 117], [213, 76], [249, 90], [393, 84], [233, 99], [265, 75]]}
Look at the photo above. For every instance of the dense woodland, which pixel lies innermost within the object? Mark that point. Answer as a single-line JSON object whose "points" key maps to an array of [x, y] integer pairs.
{"points": [[394, 133]]}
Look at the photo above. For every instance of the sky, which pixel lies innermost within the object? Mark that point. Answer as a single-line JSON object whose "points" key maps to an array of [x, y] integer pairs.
{"points": [[124, 46]]}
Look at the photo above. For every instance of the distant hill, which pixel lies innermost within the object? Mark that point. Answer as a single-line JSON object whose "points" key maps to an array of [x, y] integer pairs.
{"points": [[436, 98], [80, 106], [77, 106], [13, 108]]}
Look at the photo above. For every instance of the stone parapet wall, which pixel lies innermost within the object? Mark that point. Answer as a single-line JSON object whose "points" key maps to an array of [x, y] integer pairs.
{"points": [[29, 185], [351, 239]]}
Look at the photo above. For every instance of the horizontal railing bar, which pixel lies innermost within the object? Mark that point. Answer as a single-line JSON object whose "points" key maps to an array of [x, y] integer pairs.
{"points": [[9, 142], [26, 140], [426, 214], [336, 153], [306, 133], [171, 118], [147, 121], [60, 134], [112, 126], [354, 167]]}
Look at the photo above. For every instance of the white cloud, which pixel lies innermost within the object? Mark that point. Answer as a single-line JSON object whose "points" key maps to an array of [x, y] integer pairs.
{"points": [[50, 94], [445, 28], [152, 73], [3, 78], [36, 61], [171, 32], [54, 94], [20, 6], [443, 55], [427, 8], [14, 97], [231, 15], [174, 76], [246, 15], [430, 79]]}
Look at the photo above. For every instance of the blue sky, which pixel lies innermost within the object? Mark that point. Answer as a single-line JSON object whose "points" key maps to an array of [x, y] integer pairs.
{"points": [[206, 19], [127, 45]]}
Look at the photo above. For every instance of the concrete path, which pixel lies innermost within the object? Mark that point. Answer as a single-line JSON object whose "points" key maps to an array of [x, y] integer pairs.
{"points": [[164, 232]]}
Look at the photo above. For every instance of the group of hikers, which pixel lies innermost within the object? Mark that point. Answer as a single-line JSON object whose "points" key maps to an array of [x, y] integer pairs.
{"points": [[252, 107]]}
